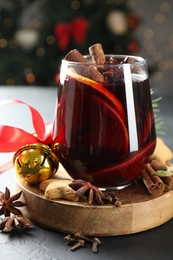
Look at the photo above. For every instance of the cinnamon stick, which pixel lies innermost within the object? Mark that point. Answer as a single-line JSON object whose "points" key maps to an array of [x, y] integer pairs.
{"points": [[157, 165], [169, 181], [150, 169], [87, 70], [153, 183], [75, 55], [97, 53]]}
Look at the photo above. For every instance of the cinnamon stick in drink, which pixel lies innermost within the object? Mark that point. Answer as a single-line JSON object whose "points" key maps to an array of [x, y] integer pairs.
{"points": [[76, 56], [97, 53], [88, 71]]}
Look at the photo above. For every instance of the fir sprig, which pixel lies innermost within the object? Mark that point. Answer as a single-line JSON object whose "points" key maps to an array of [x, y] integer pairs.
{"points": [[159, 124]]}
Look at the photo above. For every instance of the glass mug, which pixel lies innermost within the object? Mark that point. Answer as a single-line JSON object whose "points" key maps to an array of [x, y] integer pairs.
{"points": [[105, 130]]}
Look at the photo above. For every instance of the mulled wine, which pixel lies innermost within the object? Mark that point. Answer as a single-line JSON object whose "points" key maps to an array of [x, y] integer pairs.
{"points": [[106, 130]]}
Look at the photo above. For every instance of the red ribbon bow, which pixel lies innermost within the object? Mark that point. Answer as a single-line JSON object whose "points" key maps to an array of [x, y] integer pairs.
{"points": [[64, 31], [13, 138]]}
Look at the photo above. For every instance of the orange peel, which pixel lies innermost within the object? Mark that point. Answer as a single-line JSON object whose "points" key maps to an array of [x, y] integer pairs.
{"points": [[99, 87]]}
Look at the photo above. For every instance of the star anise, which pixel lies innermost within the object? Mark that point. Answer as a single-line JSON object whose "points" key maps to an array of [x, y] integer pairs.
{"points": [[9, 204], [86, 189], [11, 222]]}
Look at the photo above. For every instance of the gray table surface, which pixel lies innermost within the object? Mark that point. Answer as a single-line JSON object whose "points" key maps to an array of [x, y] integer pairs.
{"points": [[39, 243]]}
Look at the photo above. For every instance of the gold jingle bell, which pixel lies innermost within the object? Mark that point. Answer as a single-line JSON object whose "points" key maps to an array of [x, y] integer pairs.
{"points": [[35, 163]]}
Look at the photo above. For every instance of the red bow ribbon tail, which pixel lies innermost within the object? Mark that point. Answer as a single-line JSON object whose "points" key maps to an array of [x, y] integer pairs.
{"points": [[13, 138]]}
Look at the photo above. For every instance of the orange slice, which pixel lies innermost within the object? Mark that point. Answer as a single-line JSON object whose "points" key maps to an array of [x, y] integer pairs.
{"points": [[105, 127], [99, 87], [116, 137]]}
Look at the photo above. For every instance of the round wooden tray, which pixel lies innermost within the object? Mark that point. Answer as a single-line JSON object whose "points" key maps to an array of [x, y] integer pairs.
{"points": [[140, 211]]}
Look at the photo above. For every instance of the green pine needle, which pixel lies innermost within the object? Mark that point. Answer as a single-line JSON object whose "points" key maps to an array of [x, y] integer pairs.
{"points": [[159, 124]]}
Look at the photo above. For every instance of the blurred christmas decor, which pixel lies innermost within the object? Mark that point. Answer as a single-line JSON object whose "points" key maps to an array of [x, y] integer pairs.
{"points": [[36, 35]]}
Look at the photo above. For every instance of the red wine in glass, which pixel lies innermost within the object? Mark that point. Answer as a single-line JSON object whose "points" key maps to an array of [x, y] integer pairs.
{"points": [[106, 130]]}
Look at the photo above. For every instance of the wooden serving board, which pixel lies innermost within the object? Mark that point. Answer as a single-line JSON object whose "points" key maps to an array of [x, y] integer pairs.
{"points": [[140, 211]]}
